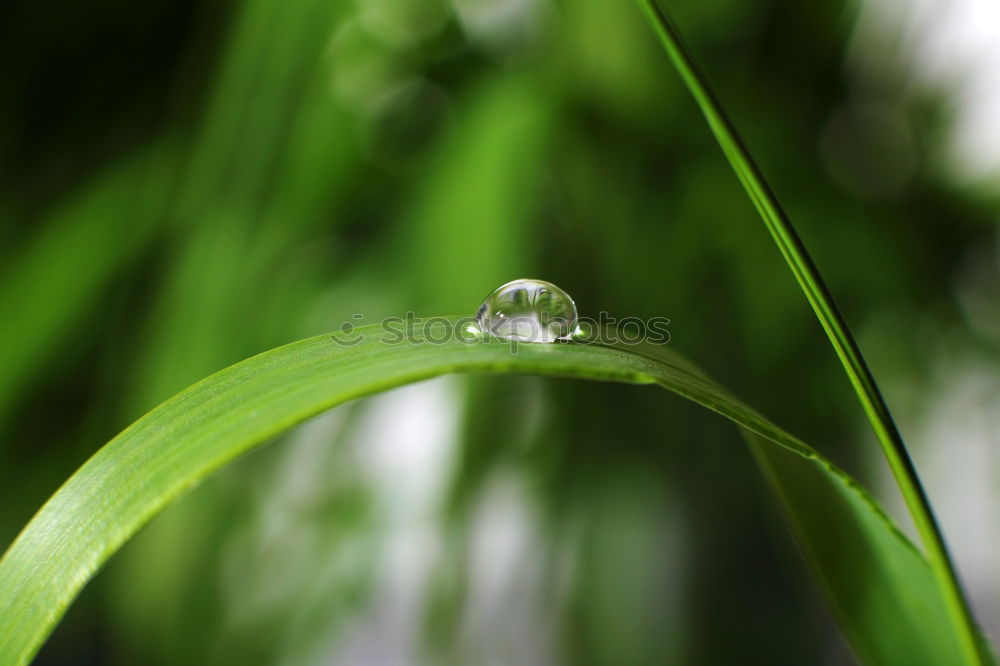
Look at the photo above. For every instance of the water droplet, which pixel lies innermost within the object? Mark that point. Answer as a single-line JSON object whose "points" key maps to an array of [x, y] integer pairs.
{"points": [[528, 311]]}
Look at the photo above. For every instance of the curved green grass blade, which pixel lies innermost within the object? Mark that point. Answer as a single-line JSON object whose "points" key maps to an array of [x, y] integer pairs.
{"points": [[830, 317], [861, 559]]}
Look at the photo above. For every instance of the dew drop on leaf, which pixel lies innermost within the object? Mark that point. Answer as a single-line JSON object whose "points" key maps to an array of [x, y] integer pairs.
{"points": [[528, 311]]}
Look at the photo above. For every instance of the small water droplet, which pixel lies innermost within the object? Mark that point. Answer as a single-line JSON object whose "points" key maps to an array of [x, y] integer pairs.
{"points": [[528, 311]]}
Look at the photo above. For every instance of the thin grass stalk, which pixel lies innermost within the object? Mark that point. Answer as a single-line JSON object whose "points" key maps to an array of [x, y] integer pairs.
{"points": [[833, 322]]}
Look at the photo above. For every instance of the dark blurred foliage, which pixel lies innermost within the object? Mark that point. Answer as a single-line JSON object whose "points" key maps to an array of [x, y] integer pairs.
{"points": [[186, 184]]}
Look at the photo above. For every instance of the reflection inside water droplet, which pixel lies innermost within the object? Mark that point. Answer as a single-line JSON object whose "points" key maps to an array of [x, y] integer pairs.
{"points": [[528, 311]]}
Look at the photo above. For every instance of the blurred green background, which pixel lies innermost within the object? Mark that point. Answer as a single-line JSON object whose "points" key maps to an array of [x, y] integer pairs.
{"points": [[186, 184]]}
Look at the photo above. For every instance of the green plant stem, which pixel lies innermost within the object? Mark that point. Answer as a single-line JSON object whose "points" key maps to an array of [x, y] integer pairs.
{"points": [[829, 315]]}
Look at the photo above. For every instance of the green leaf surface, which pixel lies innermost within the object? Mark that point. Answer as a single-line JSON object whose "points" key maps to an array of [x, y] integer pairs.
{"points": [[873, 575]]}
